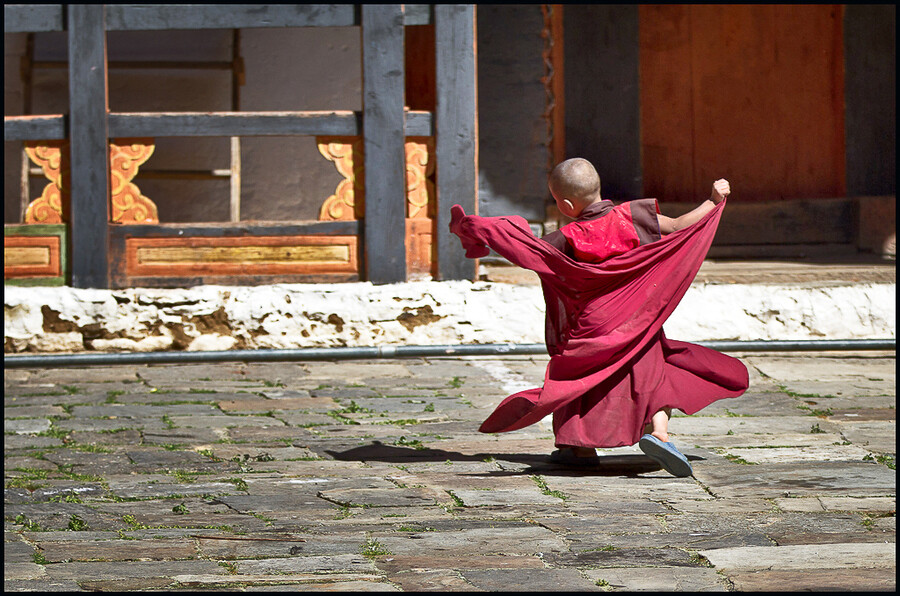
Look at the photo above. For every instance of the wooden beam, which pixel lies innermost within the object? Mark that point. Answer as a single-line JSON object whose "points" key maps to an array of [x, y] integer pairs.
{"points": [[32, 18], [418, 14], [419, 124], [88, 108], [384, 143], [456, 142], [228, 16], [34, 128], [232, 124], [225, 230], [225, 124], [216, 124]]}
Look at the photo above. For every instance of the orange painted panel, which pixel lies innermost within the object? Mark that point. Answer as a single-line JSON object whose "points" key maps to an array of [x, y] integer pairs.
{"points": [[31, 256], [753, 93], [247, 255], [419, 246]]}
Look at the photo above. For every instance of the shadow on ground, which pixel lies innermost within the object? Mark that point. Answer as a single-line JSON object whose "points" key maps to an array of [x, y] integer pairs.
{"points": [[608, 465]]}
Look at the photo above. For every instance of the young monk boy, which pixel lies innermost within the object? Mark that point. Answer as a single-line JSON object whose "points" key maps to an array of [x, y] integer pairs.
{"points": [[610, 279]]}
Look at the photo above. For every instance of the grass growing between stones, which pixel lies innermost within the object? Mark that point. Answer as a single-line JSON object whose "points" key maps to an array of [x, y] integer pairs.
{"points": [[414, 443], [542, 484], [738, 460], [886, 460], [76, 524], [372, 548], [31, 526], [815, 412]]}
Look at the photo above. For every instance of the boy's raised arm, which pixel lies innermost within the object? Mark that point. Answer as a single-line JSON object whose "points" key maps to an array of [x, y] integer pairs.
{"points": [[721, 189]]}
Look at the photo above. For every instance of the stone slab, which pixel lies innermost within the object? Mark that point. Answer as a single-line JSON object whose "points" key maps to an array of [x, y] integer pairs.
{"points": [[425, 580], [536, 580], [302, 582], [658, 579], [827, 368], [696, 426], [816, 580], [865, 504], [28, 441], [24, 411], [26, 426], [786, 479], [106, 570], [40, 585], [875, 435], [396, 497], [398, 563], [169, 489], [223, 421], [20, 570], [693, 541], [623, 557], [354, 563], [478, 541], [121, 437], [606, 524], [286, 403], [504, 496], [800, 454], [118, 550], [130, 584], [811, 556]]}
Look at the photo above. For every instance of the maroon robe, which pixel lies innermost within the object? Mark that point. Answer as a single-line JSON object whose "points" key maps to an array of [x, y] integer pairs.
{"points": [[611, 367]]}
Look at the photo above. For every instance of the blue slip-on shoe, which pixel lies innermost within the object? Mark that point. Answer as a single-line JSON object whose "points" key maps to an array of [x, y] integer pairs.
{"points": [[672, 460]]}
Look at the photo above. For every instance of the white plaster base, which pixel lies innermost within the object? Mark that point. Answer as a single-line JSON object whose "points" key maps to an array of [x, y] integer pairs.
{"points": [[64, 319]]}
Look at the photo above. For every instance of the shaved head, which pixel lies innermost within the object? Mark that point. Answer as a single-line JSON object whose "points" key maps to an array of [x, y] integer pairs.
{"points": [[575, 180]]}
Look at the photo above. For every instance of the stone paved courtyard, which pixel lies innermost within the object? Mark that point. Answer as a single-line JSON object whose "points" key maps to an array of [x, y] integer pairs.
{"points": [[371, 476]]}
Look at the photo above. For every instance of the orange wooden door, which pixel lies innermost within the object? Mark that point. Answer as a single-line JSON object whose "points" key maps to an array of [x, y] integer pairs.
{"points": [[752, 93]]}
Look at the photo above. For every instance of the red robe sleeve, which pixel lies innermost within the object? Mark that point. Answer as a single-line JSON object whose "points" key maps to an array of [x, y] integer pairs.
{"points": [[609, 310]]}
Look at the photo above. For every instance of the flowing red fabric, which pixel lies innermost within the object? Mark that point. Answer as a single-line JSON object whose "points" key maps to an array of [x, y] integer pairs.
{"points": [[611, 367]]}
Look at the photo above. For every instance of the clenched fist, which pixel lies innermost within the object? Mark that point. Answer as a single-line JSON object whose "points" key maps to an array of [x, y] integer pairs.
{"points": [[720, 190]]}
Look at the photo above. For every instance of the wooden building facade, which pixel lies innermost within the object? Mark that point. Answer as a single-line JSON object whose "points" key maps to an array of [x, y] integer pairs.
{"points": [[420, 107], [92, 226]]}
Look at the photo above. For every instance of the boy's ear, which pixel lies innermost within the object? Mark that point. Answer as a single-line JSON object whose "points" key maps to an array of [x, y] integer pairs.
{"points": [[569, 204]]}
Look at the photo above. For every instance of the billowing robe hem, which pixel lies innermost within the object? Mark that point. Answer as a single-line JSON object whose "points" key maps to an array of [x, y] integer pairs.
{"points": [[611, 367]]}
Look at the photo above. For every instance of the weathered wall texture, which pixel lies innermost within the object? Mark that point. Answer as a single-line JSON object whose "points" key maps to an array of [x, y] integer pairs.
{"points": [[419, 313]]}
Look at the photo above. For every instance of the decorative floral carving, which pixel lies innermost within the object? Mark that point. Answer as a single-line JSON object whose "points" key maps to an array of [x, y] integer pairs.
{"points": [[347, 202], [127, 202], [53, 159], [128, 205], [420, 191]]}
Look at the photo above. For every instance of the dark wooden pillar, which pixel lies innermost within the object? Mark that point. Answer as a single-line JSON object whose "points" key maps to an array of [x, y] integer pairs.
{"points": [[88, 135], [383, 134], [456, 130], [870, 79], [602, 95]]}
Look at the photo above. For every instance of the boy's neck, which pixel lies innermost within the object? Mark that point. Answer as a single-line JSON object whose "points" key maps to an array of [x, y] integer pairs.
{"points": [[588, 203]]}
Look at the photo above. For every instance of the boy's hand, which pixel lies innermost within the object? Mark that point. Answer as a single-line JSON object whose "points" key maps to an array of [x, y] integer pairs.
{"points": [[474, 250], [720, 190], [456, 215]]}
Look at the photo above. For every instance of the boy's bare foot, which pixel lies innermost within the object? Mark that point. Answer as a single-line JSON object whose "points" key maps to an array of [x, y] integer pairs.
{"points": [[661, 435]]}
